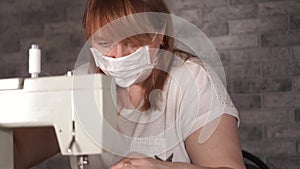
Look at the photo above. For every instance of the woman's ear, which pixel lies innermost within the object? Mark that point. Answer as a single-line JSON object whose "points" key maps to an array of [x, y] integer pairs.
{"points": [[161, 40], [161, 37]]}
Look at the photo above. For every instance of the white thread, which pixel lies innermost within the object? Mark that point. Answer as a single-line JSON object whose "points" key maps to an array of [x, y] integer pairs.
{"points": [[34, 60]]}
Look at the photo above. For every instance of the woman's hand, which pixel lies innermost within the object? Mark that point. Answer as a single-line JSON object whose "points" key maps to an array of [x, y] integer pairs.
{"points": [[135, 161], [139, 161]]}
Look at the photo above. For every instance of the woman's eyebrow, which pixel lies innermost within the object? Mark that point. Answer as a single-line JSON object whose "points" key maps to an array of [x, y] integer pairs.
{"points": [[99, 38]]}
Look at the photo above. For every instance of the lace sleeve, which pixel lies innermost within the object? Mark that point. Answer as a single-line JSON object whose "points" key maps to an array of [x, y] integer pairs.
{"points": [[204, 100]]}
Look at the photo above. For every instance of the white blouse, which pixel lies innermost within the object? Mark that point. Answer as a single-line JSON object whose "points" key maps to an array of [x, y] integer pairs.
{"points": [[193, 96]]}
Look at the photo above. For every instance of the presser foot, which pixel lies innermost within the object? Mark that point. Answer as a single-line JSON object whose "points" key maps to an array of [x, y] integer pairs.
{"points": [[82, 161]]}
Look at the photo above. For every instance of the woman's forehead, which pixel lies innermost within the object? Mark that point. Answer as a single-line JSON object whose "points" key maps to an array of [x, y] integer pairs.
{"points": [[136, 39], [116, 33]]}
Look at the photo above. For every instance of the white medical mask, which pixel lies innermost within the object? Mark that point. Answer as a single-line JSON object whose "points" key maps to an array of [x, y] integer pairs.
{"points": [[126, 70]]}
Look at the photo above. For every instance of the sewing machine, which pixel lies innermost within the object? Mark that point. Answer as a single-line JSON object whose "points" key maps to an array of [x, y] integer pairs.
{"points": [[80, 108]]}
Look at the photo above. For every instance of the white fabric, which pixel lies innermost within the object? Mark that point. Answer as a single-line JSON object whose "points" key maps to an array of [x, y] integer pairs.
{"points": [[193, 96]]}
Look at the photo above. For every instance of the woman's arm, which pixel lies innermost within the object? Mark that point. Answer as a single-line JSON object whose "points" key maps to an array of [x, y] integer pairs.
{"points": [[222, 149], [33, 145]]}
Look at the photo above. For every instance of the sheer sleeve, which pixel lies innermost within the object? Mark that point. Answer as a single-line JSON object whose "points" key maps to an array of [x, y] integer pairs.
{"points": [[203, 100]]}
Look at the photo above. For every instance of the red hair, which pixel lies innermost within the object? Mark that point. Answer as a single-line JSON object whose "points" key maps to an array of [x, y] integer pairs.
{"points": [[98, 13]]}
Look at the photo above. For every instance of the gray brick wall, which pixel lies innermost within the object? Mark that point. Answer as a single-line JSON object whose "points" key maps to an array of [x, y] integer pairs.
{"points": [[55, 25], [258, 41]]}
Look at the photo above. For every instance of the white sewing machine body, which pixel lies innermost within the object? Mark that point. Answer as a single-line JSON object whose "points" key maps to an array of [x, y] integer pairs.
{"points": [[50, 101]]}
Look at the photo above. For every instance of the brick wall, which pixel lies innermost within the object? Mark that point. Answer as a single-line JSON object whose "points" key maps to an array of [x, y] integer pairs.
{"points": [[258, 41], [55, 25]]}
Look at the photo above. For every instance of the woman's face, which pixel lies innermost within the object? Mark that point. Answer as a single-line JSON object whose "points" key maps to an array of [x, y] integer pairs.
{"points": [[124, 47]]}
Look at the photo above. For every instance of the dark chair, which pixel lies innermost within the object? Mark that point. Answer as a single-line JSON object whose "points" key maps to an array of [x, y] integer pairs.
{"points": [[253, 162]]}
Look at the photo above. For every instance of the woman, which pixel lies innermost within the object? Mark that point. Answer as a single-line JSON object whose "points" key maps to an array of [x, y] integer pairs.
{"points": [[170, 114], [130, 43]]}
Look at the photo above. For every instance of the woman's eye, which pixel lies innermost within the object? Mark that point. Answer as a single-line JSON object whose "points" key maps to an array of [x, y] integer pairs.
{"points": [[104, 44]]}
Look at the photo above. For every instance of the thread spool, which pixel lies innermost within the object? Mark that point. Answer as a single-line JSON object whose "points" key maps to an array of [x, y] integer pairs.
{"points": [[34, 61]]}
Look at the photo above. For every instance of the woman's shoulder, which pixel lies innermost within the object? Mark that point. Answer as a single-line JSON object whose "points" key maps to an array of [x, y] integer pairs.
{"points": [[186, 63], [187, 57]]}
